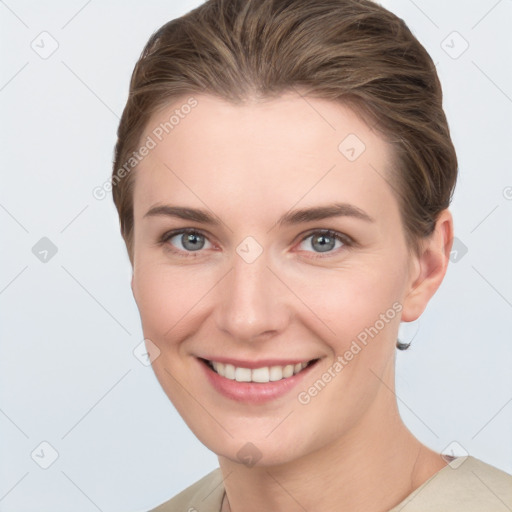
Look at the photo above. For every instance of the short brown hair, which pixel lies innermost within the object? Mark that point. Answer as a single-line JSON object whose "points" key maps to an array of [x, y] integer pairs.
{"points": [[350, 51]]}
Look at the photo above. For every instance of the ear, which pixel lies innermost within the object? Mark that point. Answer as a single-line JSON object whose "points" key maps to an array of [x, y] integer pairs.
{"points": [[429, 268]]}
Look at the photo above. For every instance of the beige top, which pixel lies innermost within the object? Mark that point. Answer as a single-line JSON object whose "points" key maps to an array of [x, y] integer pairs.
{"points": [[468, 485]]}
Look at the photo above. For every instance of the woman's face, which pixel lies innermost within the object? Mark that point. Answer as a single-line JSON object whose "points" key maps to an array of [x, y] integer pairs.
{"points": [[295, 253]]}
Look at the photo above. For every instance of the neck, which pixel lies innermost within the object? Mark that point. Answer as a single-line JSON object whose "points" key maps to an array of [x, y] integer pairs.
{"points": [[371, 468]]}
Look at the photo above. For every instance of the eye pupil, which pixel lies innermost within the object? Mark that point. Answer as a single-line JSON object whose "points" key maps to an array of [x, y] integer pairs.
{"points": [[326, 242], [194, 239]]}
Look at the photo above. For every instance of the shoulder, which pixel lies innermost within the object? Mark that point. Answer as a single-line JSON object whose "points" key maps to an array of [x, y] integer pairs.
{"points": [[205, 495], [466, 484]]}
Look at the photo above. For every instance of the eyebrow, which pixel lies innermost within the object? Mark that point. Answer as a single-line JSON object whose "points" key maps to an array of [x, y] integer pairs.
{"points": [[289, 218], [324, 212]]}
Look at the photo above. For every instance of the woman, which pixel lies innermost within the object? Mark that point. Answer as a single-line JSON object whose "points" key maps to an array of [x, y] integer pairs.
{"points": [[283, 174]]}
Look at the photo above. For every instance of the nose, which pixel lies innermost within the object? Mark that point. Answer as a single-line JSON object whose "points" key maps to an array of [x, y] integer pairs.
{"points": [[251, 303]]}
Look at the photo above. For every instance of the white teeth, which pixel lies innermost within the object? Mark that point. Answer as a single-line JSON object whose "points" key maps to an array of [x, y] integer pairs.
{"points": [[288, 370], [229, 371], [261, 374], [264, 374], [276, 373], [243, 375]]}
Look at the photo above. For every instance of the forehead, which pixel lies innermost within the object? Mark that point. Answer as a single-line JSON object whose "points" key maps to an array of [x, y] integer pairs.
{"points": [[279, 151]]}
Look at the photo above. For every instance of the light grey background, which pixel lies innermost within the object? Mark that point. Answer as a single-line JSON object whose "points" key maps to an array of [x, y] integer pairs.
{"points": [[68, 326]]}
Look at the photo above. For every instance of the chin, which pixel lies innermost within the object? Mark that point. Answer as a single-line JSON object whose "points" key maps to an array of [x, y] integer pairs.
{"points": [[256, 454], [261, 445]]}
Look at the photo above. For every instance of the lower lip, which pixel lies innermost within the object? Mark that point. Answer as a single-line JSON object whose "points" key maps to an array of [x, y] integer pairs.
{"points": [[253, 392]]}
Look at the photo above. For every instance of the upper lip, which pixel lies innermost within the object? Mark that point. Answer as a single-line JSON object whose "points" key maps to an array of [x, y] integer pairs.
{"points": [[260, 363]]}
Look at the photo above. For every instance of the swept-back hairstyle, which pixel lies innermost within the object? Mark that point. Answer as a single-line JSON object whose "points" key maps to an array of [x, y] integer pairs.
{"points": [[350, 51]]}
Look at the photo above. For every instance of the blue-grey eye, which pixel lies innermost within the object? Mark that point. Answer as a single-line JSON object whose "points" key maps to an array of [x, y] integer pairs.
{"points": [[322, 242], [189, 240]]}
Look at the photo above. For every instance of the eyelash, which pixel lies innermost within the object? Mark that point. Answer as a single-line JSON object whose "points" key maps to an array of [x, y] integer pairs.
{"points": [[345, 239]]}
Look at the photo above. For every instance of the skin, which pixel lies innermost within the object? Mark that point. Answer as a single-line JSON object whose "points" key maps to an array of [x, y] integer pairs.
{"points": [[248, 165]]}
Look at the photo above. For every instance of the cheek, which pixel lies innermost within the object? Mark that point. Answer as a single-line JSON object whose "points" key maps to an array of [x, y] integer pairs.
{"points": [[161, 298], [351, 300], [168, 298], [362, 305]]}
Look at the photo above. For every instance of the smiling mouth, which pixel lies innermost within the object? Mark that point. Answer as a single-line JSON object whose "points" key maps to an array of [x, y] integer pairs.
{"points": [[257, 375]]}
